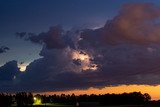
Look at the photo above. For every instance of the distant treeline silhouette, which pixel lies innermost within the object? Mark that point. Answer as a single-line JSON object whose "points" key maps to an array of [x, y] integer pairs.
{"points": [[105, 99], [24, 99]]}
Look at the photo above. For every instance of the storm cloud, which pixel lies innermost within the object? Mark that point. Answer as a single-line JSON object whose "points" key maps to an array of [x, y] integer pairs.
{"points": [[135, 23], [54, 38], [124, 51]]}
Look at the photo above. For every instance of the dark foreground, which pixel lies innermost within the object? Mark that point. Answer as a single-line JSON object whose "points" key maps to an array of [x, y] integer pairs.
{"points": [[107, 106], [52, 105], [23, 99]]}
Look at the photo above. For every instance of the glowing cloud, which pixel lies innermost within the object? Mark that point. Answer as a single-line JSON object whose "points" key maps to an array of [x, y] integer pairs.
{"points": [[84, 60], [22, 67]]}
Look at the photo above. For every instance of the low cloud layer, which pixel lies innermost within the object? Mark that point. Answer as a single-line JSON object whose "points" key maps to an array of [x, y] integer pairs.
{"points": [[124, 51]]}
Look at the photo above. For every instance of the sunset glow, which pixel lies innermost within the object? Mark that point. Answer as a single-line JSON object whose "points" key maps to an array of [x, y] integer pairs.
{"points": [[152, 90]]}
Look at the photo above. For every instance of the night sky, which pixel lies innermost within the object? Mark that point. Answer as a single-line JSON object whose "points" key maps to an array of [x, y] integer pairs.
{"points": [[64, 45]]}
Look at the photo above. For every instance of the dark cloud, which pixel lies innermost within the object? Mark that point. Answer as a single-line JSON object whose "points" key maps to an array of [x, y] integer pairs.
{"points": [[134, 66], [119, 65], [9, 71], [3, 49], [126, 51], [54, 38]]}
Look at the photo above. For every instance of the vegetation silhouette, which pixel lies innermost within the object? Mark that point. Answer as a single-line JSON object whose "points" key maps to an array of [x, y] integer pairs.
{"points": [[24, 99], [20, 99], [5, 100], [105, 99]]}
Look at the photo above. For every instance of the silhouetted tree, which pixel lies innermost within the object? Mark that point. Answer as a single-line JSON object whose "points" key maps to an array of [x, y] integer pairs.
{"points": [[24, 99], [30, 99], [147, 97]]}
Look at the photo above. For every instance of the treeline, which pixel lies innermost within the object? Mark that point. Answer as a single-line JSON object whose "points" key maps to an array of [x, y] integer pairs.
{"points": [[106, 99], [23, 99]]}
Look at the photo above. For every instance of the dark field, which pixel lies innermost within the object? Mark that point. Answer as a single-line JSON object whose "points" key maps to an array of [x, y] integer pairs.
{"points": [[105, 106], [56, 105]]}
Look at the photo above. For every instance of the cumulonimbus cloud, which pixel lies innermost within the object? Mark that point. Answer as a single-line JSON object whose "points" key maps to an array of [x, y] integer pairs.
{"points": [[124, 51], [137, 23]]}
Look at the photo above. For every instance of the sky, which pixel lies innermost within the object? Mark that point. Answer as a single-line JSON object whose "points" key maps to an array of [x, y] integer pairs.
{"points": [[80, 45]]}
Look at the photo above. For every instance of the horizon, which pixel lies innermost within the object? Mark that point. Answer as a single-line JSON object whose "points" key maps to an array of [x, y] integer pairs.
{"points": [[112, 90]]}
